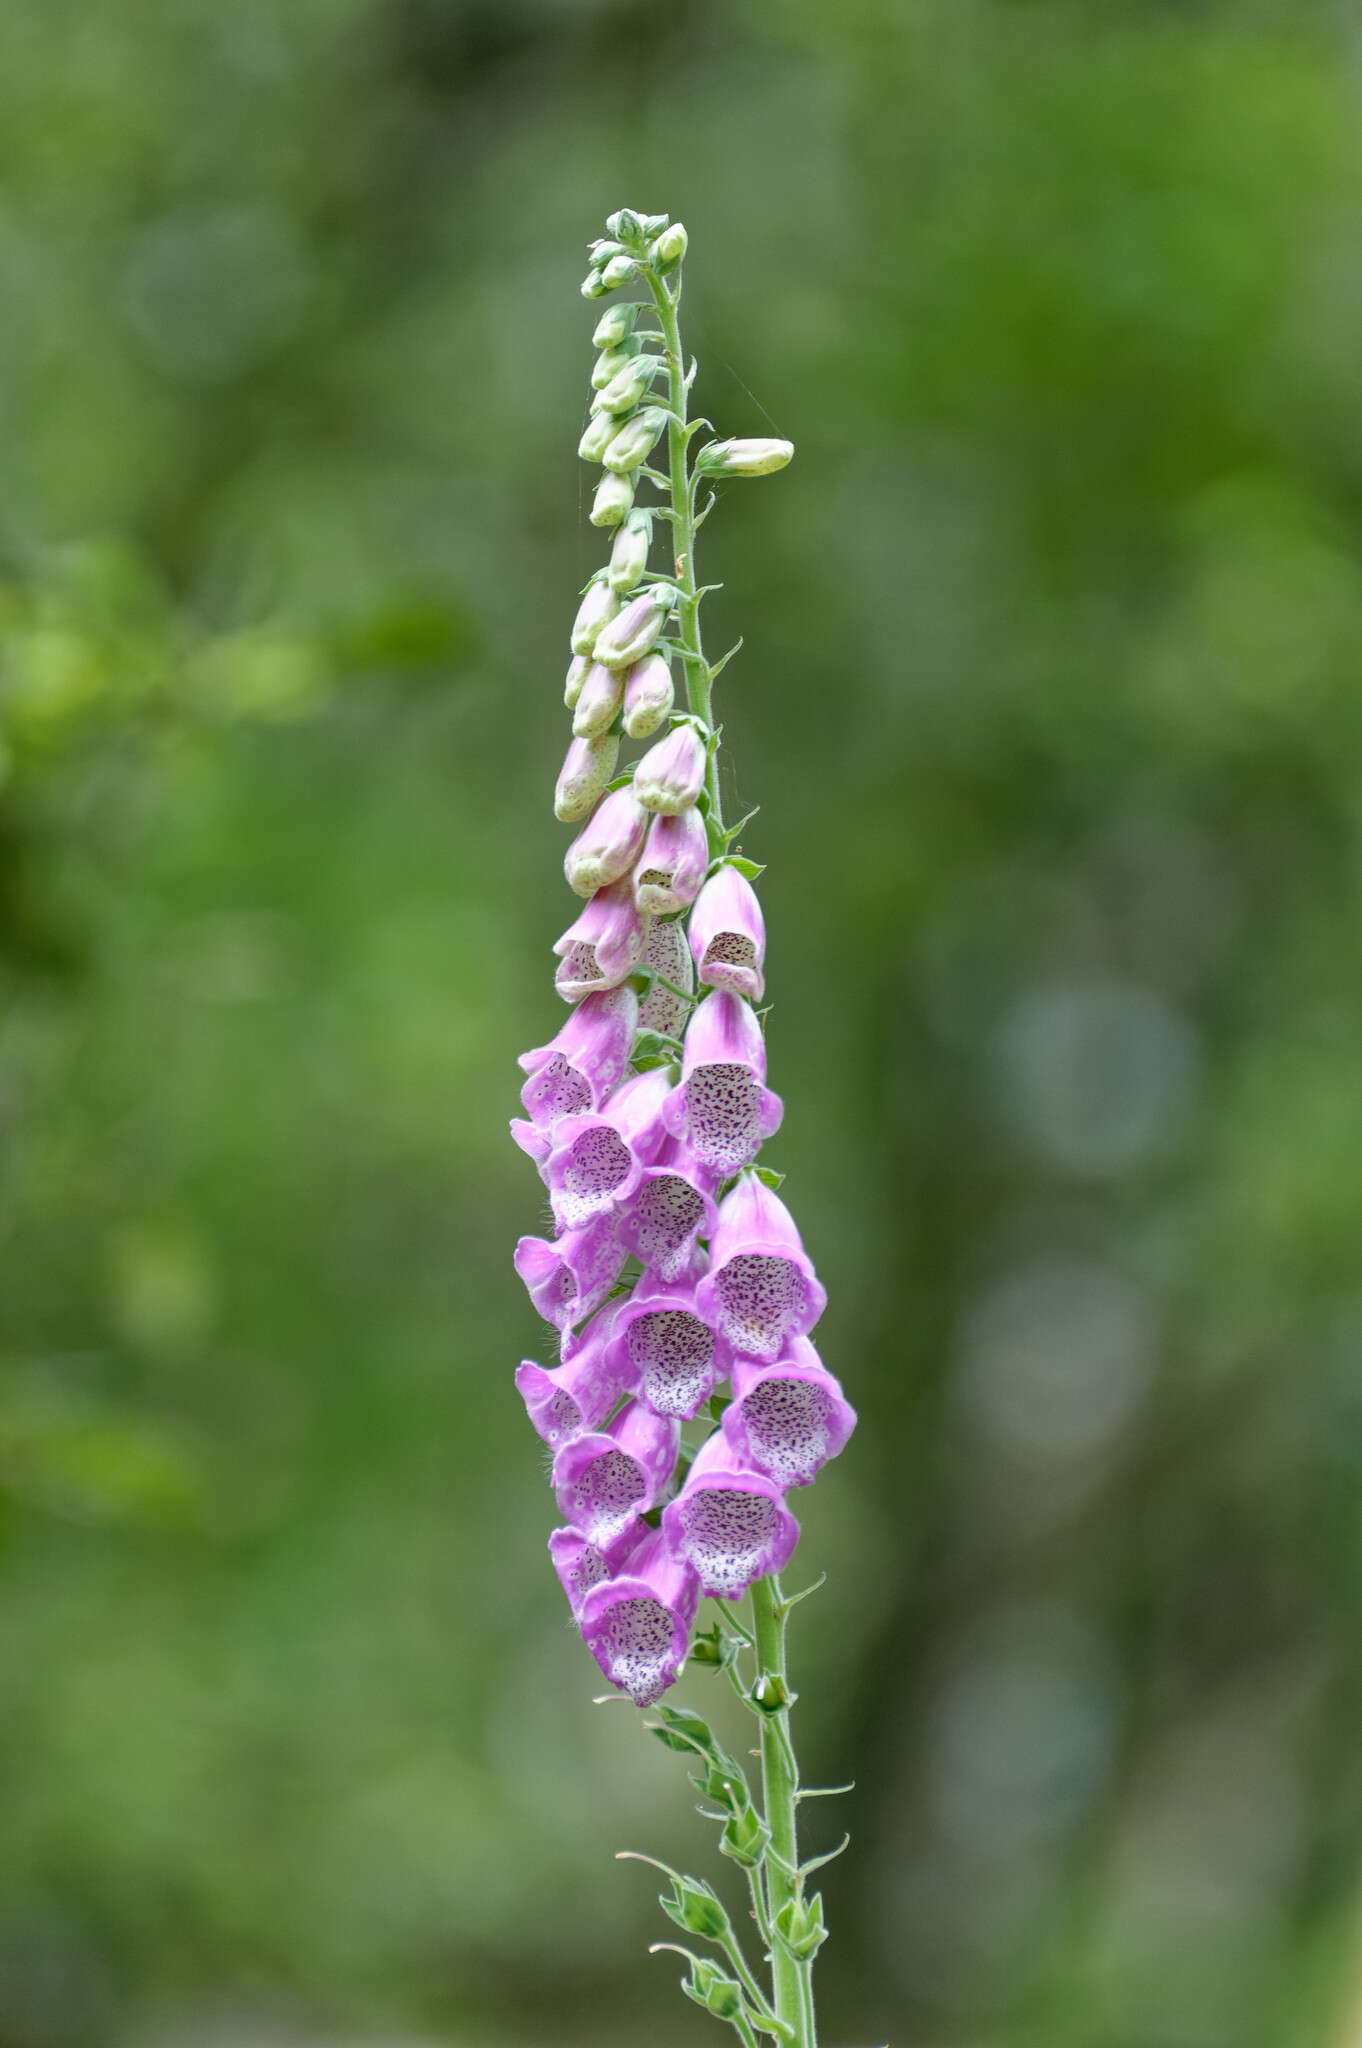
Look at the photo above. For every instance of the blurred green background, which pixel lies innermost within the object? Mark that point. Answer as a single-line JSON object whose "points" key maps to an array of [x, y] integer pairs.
{"points": [[1052, 696]]}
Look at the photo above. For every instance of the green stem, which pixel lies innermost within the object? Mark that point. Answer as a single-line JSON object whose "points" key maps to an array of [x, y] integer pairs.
{"points": [[792, 1980], [666, 293]]}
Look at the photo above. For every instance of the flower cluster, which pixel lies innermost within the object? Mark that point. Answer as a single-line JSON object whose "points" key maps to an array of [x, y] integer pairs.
{"points": [[674, 1269]]}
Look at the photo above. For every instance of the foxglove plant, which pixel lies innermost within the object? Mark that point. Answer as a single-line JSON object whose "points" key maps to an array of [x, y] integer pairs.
{"points": [[675, 1268]]}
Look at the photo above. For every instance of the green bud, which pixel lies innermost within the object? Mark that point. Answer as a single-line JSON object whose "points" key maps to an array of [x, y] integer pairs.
{"points": [[742, 458], [629, 555], [654, 224], [799, 1926], [670, 245], [613, 500], [613, 325], [618, 271], [593, 285], [770, 1692], [625, 225], [624, 390], [612, 360], [695, 1907], [601, 431], [709, 1987], [600, 251], [636, 440], [744, 1838]]}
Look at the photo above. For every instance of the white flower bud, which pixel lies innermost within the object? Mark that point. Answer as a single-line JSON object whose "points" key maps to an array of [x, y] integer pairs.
{"points": [[625, 225], [593, 285], [629, 556], [634, 632], [618, 271], [576, 676], [597, 608], [636, 440], [613, 500], [598, 702], [624, 391], [615, 323], [611, 361], [654, 224], [587, 768], [742, 458], [670, 246], [600, 432]]}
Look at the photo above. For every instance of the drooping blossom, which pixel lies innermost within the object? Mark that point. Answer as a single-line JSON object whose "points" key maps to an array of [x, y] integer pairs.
{"points": [[669, 1208], [729, 1522], [665, 949], [671, 866], [580, 1565], [671, 774], [669, 1354], [608, 844], [649, 694], [577, 1070], [572, 1399], [637, 1625], [728, 935], [605, 1478], [595, 1161], [722, 1107], [569, 1279], [787, 1419], [602, 946], [761, 1289]]}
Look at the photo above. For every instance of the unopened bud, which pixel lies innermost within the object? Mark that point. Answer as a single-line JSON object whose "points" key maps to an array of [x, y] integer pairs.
{"points": [[615, 323], [799, 1926], [611, 361], [608, 844], [599, 701], [636, 440], [633, 632], [613, 500], [587, 766], [576, 676], [743, 458], [625, 224], [744, 1838], [629, 555], [593, 285], [671, 774], [600, 432], [597, 609], [654, 224], [694, 1907], [709, 1987], [648, 695], [624, 390], [670, 245], [618, 271]]}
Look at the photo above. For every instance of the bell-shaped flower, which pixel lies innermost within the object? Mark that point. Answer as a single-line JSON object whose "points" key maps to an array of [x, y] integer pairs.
{"points": [[665, 949], [637, 1624], [601, 696], [761, 1289], [672, 864], [595, 1162], [672, 1357], [614, 497], [587, 767], [571, 1399], [570, 1279], [670, 1208], [722, 1108], [580, 1565], [787, 1419], [602, 946], [633, 632], [728, 935], [629, 555], [575, 1071], [649, 695], [602, 1480], [608, 844], [671, 774], [729, 1522], [599, 605]]}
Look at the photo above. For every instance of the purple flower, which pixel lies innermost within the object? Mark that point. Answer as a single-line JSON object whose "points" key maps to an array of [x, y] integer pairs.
{"points": [[602, 1480], [665, 948], [672, 864], [788, 1419], [576, 1070], [729, 1522], [587, 767], [576, 1397], [671, 774], [595, 1162], [603, 946], [569, 1280], [633, 632], [608, 844], [580, 1565], [760, 1289], [637, 1626], [728, 935], [598, 700], [668, 1209], [670, 1355], [722, 1107], [648, 695]]}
